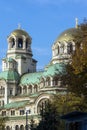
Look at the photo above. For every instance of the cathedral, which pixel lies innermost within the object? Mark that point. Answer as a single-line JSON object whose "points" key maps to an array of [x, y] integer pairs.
{"points": [[23, 89]]}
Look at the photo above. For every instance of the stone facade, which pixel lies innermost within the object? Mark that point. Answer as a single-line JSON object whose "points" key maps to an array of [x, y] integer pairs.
{"points": [[22, 88]]}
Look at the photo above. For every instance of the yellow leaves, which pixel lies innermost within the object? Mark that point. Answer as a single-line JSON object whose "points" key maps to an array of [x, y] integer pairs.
{"points": [[67, 103], [79, 60]]}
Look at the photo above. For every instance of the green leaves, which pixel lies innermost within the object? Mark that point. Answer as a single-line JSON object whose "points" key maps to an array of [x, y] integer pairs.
{"points": [[68, 102], [50, 118]]}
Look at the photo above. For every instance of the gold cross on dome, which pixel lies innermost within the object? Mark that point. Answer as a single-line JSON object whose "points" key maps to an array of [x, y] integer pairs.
{"points": [[76, 22], [19, 26]]}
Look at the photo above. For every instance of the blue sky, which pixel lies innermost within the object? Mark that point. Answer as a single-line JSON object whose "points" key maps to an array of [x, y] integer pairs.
{"points": [[44, 20]]}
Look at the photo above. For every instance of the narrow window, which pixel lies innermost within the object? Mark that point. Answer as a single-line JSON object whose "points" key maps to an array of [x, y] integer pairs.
{"points": [[21, 112], [26, 44], [20, 43], [58, 49], [13, 43], [3, 113], [11, 92], [12, 112], [69, 48]]}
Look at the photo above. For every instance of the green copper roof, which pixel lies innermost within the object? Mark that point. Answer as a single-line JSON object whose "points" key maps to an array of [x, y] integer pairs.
{"points": [[8, 59], [55, 69], [15, 105], [31, 78], [9, 75]]}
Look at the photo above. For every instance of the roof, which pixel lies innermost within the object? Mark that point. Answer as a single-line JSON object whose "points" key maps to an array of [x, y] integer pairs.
{"points": [[9, 59], [30, 78], [51, 70], [9, 75], [16, 105], [19, 32], [54, 69], [68, 35]]}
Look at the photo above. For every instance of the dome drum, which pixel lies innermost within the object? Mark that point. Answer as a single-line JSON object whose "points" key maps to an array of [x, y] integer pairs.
{"points": [[19, 39], [64, 45]]}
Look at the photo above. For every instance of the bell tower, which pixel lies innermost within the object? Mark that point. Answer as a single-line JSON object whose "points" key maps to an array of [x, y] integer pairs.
{"points": [[19, 49]]}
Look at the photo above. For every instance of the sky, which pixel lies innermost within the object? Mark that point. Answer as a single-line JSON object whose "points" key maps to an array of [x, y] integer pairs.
{"points": [[44, 20]]}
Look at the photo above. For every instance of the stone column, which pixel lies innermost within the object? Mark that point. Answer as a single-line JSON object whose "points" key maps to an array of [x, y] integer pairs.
{"points": [[32, 88], [22, 90], [6, 94], [51, 82], [24, 43], [27, 89], [16, 43], [9, 45]]}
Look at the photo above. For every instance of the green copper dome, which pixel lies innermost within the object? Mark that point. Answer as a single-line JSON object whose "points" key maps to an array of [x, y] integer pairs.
{"points": [[68, 35], [9, 75]]}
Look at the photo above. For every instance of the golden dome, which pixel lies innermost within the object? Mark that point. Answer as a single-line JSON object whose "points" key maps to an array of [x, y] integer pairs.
{"points": [[20, 32], [68, 35]]}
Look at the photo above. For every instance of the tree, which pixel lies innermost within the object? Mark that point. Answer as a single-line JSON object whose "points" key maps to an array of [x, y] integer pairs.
{"points": [[76, 77], [2, 122], [32, 124], [68, 102], [49, 118]]}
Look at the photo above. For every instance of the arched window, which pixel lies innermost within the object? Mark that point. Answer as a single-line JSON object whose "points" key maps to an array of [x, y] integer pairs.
{"points": [[26, 43], [42, 83], [2, 90], [20, 43], [3, 113], [16, 127], [7, 128], [12, 112], [69, 48], [19, 90], [55, 81], [13, 42], [30, 89], [58, 50], [21, 127], [24, 89], [62, 49], [48, 81], [35, 88], [42, 105]]}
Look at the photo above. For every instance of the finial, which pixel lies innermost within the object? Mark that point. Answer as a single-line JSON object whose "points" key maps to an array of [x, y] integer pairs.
{"points": [[76, 22], [19, 26]]}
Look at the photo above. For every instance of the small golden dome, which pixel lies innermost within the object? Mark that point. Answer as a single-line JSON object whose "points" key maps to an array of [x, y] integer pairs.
{"points": [[68, 35], [20, 32]]}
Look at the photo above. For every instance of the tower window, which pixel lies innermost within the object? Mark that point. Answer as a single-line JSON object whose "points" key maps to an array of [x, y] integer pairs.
{"points": [[58, 49], [13, 42], [70, 48], [62, 49], [26, 43], [20, 43], [11, 92]]}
